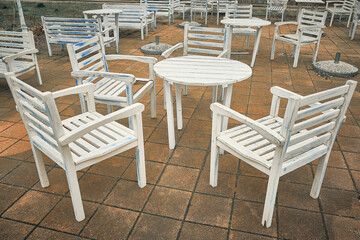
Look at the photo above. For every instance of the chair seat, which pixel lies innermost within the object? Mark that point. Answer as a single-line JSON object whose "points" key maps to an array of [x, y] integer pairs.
{"points": [[294, 37], [244, 31], [254, 148], [97, 143], [18, 67]]}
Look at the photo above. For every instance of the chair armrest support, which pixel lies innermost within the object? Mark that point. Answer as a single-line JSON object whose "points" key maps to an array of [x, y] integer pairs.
{"points": [[168, 52], [263, 130], [143, 59], [83, 88], [278, 24], [283, 93], [9, 58], [117, 76], [86, 128]]}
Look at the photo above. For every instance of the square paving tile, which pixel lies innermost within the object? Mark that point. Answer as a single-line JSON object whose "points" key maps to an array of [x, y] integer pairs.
{"points": [[95, 187], [14, 230], [8, 195], [113, 167], [198, 231], [153, 171], [226, 184], [179, 177], [42, 233], [188, 157], [342, 227]]}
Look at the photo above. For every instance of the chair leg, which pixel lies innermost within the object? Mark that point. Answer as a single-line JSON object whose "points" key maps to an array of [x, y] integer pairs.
{"points": [[49, 48], [270, 199], [332, 18], [185, 90], [266, 15], [273, 49], [40, 166], [296, 55], [62, 47], [214, 163], [348, 23], [316, 51], [319, 177], [353, 31], [153, 101], [37, 69], [142, 33], [75, 193], [282, 16], [221, 95], [247, 42], [109, 108]]}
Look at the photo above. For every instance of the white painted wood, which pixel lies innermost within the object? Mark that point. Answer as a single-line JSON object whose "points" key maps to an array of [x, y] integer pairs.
{"points": [[277, 146], [79, 141], [355, 21], [18, 53], [342, 8], [89, 64], [309, 31], [222, 6], [161, 8], [201, 6], [278, 6]]}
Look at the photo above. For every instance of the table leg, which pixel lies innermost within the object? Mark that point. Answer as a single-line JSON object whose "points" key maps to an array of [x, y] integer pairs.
{"points": [[256, 45], [106, 25], [170, 114], [178, 106], [116, 32]]}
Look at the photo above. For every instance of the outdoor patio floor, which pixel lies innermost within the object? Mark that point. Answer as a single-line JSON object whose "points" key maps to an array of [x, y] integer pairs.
{"points": [[178, 202]]}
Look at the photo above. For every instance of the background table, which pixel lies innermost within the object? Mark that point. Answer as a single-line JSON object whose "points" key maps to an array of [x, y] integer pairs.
{"points": [[301, 3], [199, 71], [252, 22]]}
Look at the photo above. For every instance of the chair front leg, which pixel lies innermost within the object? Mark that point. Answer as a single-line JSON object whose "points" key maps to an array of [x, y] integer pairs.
{"points": [[130, 100], [348, 23], [273, 46], [140, 151], [296, 55], [270, 199]]}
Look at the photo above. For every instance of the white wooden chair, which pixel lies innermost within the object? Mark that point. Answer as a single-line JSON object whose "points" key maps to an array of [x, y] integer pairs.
{"points": [[309, 31], [79, 141], [241, 12], [278, 6], [180, 8], [89, 64], [277, 146], [18, 54], [203, 41], [161, 8], [201, 6], [341, 8], [355, 22], [221, 7]]}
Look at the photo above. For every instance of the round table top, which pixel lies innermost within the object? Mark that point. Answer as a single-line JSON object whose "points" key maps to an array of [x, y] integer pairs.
{"points": [[202, 70], [102, 11], [246, 22]]}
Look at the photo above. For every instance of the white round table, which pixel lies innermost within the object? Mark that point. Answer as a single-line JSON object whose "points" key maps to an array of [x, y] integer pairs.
{"points": [[247, 22], [199, 71]]}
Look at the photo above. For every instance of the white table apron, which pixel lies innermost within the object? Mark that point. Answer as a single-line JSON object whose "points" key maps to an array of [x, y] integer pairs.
{"points": [[253, 22], [199, 71]]}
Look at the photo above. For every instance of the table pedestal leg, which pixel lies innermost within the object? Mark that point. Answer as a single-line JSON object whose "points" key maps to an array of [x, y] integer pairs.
{"points": [[256, 45], [178, 106], [170, 114]]}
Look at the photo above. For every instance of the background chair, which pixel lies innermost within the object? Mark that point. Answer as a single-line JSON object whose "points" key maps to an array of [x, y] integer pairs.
{"points": [[221, 6], [278, 145], [18, 53], [341, 8], [241, 12], [309, 31], [89, 64], [355, 21], [203, 41], [79, 141], [201, 6], [278, 6]]}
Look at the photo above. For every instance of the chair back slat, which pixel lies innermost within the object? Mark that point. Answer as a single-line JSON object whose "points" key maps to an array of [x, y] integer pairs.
{"points": [[14, 42], [348, 5], [238, 11]]}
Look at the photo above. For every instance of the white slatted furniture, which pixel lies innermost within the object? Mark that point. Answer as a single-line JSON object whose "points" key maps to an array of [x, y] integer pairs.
{"points": [[241, 12], [202, 41], [278, 6], [201, 6], [355, 21], [18, 54], [132, 17], [221, 7], [341, 8], [89, 64], [181, 8], [309, 31], [73, 30], [277, 146], [79, 141], [162, 8]]}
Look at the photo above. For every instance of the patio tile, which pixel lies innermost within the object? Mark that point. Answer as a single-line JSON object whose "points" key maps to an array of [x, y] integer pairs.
{"points": [[299, 223], [338, 178], [179, 177], [251, 188], [242, 235], [6, 143], [110, 223], [62, 217], [173, 202], [15, 131], [153, 171], [353, 160], [42, 233], [209, 210], [8, 195], [128, 194], [226, 184], [4, 125], [195, 140], [95, 187], [301, 175], [7, 165], [20, 150], [155, 227], [32, 207], [188, 157], [227, 163], [14, 230], [349, 144], [157, 152], [247, 217], [342, 227], [198, 231], [113, 167]]}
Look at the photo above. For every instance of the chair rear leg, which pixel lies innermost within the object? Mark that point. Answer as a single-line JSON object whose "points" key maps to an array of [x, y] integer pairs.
{"points": [[273, 49], [40, 166], [214, 164], [185, 90], [348, 23], [332, 18], [140, 163], [37, 69], [316, 51], [319, 177], [49, 48], [153, 101], [75, 192], [296, 55]]}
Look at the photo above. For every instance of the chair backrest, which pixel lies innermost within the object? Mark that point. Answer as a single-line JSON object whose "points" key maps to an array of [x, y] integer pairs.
{"points": [[222, 4], [348, 5], [312, 18], [69, 28], [238, 11], [38, 112], [311, 122], [199, 4], [204, 40], [88, 55], [130, 13], [15, 42], [278, 4]]}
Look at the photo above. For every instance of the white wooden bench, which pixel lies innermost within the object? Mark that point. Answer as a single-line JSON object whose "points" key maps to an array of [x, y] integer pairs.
{"points": [[73, 30], [132, 17], [161, 8], [18, 53]]}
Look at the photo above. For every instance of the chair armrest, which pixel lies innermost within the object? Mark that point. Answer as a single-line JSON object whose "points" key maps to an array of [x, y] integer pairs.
{"points": [[263, 130], [330, 2], [283, 93], [83, 88], [303, 28], [117, 76], [143, 59], [278, 24], [168, 52], [225, 53], [337, 5], [86, 128], [9, 58]]}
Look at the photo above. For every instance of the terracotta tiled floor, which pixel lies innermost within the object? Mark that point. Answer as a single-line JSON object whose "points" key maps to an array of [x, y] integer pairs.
{"points": [[178, 202]]}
